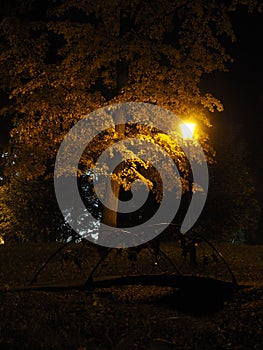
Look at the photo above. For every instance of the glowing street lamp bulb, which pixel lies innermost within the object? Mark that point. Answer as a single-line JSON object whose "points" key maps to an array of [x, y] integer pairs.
{"points": [[187, 130]]}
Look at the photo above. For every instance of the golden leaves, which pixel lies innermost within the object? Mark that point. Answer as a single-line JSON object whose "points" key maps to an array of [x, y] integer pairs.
{"points": [[166, 49]]}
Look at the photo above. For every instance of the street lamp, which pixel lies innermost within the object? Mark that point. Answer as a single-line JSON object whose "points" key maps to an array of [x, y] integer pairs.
{"points": [[187, 130]]}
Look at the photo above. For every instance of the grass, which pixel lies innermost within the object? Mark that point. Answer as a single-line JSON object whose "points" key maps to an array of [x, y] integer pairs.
{"points": [[135, 315]]}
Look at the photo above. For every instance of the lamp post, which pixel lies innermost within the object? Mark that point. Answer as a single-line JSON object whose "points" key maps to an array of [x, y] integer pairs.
{"points": [[187, 130]]}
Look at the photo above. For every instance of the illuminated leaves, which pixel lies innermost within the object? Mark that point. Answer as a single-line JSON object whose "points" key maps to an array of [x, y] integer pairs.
{"points": [[66, 64]]}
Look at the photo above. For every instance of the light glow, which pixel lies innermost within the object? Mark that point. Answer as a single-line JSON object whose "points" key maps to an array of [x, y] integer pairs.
{"points": [[187, 130]]}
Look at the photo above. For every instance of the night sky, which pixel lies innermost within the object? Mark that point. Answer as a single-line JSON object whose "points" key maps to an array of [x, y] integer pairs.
{"points": [[241, 91]]}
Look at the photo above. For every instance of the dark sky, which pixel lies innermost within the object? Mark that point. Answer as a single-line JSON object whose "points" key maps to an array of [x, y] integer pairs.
{"points": [[241, 89]]}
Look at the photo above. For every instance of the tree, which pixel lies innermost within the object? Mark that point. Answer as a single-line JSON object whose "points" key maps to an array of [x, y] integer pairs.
{"points": [[232, 188], [61, 60]]}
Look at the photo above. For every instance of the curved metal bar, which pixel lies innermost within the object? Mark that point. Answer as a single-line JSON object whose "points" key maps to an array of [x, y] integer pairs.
{"points": [[89, 280], [234, 280], [34, 278]]}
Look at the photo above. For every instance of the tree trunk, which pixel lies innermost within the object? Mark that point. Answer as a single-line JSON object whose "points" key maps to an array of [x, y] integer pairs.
{"points": [[192, 247], [110, 217]]}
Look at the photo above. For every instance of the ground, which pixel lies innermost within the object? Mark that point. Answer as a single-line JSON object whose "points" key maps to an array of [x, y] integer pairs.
{"points": [[126, 317]]}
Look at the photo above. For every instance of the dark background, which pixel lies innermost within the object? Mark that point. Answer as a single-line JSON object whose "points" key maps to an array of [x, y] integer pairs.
{"points": [[241, 91], [241, 88]]}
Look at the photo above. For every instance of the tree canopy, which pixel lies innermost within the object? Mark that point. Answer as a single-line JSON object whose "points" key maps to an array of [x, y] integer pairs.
{"points": [[61, 60]]}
